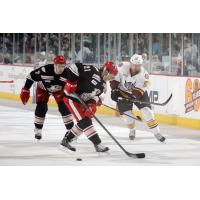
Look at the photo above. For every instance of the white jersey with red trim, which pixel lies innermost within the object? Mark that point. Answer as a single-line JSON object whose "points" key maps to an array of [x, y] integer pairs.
{"points": [[127, 82]]}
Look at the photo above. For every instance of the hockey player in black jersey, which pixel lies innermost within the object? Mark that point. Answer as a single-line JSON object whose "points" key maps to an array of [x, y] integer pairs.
{"points": [[89, 83], [50, 80]]}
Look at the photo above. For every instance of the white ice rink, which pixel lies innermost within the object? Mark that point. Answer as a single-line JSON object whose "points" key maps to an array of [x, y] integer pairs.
{"points": [[18, 147]]}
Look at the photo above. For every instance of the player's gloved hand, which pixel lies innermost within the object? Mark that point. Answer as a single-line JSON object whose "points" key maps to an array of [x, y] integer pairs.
{"points": [[137, 93], [115, 94], [70, 87], [24, 95], [91, 111]]}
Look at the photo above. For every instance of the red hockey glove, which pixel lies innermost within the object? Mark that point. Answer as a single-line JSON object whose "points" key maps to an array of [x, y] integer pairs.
{"points": [[91, 111], [70, 87], [24, 95]]}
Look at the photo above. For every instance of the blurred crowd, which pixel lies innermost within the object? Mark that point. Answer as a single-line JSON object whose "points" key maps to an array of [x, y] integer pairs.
{"points": [[176, 54]]}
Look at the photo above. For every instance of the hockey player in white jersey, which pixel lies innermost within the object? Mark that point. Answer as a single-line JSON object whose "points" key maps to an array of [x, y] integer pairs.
{"points": [[131, 84]]}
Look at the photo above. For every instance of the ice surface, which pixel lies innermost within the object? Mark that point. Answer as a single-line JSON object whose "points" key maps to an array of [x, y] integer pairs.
{"points": [[18, 146]]}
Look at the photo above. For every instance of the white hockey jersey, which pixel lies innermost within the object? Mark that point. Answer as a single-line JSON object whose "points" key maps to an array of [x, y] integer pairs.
{"points": [[127, 82]]}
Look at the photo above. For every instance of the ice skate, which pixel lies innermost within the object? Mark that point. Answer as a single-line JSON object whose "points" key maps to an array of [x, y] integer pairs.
{"points": [[38, 133], [159, 137], [101, 148], [132, 134], [65, 145]]}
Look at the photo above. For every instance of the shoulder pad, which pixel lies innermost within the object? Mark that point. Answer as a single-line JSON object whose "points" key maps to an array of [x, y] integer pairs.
{"points": [[74, 68]]}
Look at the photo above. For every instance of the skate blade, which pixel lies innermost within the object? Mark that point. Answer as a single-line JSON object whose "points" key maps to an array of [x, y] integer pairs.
{"points": [[131, 138], [38, 140], [64, 149], [164, 142], [103, 154], [72, 154]]}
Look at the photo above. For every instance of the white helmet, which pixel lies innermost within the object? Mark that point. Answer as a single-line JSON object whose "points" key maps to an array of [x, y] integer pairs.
{"points": [[136, 59]]}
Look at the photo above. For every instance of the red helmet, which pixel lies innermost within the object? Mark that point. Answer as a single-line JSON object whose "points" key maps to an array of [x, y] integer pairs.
{"points": [[59, 60], [111, 68]]}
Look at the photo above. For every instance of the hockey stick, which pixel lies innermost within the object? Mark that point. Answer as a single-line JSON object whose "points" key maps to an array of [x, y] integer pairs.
{"points": [[138, 118], [153, 103], [149, 103], [7, 81], [136, 155]]}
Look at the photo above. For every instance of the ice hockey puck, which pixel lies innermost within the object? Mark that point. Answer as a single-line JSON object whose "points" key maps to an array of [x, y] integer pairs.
{"points": [[79, 159]]}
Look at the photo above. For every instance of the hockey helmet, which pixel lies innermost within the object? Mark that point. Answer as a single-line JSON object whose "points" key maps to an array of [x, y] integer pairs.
{"points": [[136, 59], [59, 59]]}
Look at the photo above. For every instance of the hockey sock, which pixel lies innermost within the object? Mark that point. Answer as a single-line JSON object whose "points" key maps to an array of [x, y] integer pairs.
{"points": [[40, 112], [130, 123], [87, 127], [92, 135], [66, 115], [74, 132], [150, 119]]}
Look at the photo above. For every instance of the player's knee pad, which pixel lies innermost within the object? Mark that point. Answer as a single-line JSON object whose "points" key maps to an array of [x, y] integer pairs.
{"points": [[66, 115], [128, 120], [84, 123], [41, 109]]}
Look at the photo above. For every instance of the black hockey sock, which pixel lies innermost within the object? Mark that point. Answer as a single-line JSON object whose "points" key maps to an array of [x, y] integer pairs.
{"points": [[38, 126], [88, 128], [69, 126], [66, 115], [40, 112], [95, 139]]}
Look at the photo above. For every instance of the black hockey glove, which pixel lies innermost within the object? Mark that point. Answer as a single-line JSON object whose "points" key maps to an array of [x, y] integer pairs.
{"points": [[115, 94], [119, 94]]}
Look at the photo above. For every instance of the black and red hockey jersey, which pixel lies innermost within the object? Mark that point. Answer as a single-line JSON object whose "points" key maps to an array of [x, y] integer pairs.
{"points": [[47, 79], [90, 85]]}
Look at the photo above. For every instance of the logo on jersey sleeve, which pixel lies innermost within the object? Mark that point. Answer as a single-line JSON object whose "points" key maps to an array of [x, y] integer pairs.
{"points": [[87, 68], [96, 77]]}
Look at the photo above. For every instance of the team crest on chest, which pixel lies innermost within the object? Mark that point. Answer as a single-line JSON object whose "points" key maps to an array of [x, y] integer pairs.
{"points": [[129, 85]]}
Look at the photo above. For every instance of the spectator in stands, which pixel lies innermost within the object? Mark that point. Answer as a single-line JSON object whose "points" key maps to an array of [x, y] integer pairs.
{"points": [[41, 59], [54, 44], [179, 65], [84, 56], [156, 64], [1, 58], [146, 63], [50, 57], [65, 50], [155, 44]]}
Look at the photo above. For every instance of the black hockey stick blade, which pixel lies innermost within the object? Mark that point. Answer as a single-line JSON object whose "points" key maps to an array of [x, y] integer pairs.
{"points": [[135, 155], [154, 103], [166, 102]]}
